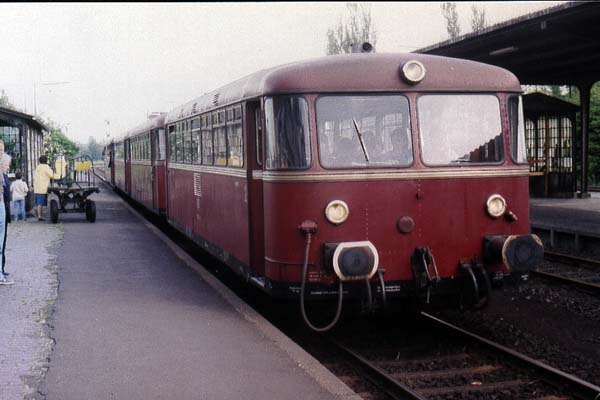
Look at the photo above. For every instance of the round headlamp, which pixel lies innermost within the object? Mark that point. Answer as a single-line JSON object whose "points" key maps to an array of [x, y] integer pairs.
{"points": [[495, 205], [337, 212], [413, 72]]}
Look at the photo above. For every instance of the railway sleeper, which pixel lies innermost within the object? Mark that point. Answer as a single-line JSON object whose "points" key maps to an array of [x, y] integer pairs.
{"points": [[446, 373], [479, 387], [423, 360]]}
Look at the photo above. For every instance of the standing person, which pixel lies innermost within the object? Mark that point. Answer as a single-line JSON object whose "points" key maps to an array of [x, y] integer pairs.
{"points": [[5, 161], [3, 279], [41, 179], [7, 197], [18, 191]]}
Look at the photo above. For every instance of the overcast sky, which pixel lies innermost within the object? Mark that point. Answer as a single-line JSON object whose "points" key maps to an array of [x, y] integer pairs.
{"points": [[101, 68]]}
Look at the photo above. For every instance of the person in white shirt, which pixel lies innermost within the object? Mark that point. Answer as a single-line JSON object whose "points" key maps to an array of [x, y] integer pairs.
{"points": [[18, 191]]}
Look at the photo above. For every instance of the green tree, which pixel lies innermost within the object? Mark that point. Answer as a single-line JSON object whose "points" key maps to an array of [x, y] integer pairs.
{"points": [[478, 20], [354, 28], [451, 16], [57, 143]]}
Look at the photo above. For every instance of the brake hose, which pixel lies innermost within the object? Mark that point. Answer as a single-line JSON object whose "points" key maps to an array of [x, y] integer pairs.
{"points": [[308, 233], [369, 296], [382, 282]]}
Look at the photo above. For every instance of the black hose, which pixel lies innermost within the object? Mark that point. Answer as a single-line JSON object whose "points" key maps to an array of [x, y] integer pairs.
{"points": [[302, 309], [369, 295], [382, 283]]}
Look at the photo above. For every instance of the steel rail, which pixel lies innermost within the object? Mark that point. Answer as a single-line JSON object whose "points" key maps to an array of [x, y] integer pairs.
{"points": [[556, 377], [379, 374], [553, 256], [591, 287]]}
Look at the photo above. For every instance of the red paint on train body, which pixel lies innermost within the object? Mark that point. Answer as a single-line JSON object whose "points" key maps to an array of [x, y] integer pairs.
{"points": [[406, 171]]}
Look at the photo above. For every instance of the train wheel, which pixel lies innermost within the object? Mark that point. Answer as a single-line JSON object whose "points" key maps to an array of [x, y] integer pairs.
{"points": [[90, 211], [54, 211]]}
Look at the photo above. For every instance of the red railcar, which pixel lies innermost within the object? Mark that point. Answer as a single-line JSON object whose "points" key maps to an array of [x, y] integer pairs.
{"points": [[404, 174], [147, 163], [135, 164]]}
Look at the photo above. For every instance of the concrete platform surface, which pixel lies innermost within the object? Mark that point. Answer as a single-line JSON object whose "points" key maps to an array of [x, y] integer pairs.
{"points": [[131, 320], [581, 215]]}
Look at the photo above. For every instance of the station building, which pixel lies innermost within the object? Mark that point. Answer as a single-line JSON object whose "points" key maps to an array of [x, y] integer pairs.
{"points": [[23, 137]]}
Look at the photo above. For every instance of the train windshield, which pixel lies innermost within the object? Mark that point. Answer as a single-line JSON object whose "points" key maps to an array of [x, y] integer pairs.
{"points": [[287, 135], [358, 131], [460, 129]]}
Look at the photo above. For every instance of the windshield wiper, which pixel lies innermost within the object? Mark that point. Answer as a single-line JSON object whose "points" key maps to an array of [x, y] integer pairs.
{"points": [[362, 144]]}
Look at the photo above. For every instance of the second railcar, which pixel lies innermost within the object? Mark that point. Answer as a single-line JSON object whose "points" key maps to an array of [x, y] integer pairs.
{"points": [[136, 164]]}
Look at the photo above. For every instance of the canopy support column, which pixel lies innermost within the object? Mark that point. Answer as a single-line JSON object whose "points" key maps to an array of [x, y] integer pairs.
{"points": [[585, 90]]}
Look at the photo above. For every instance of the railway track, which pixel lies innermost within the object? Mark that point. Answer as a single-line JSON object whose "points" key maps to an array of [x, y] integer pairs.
{"points": [[583, 273], [459, 365]]}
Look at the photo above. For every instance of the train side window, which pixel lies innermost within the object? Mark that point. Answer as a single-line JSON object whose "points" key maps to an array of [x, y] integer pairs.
{"points": [[187, 143], [235, 144], [518, 149], [195, 144], [180, 149], [220, 145], [176, 137], [147, 146], [160, 148], [258, 135], [287, 133], [148, 150], [207, 146], [458, 129], [172, 149]]}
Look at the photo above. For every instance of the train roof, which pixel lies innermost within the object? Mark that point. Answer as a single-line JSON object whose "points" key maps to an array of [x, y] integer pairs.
{"points": [[352, 73], [155, 121]]}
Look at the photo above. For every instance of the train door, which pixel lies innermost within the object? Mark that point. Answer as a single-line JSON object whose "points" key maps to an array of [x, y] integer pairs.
{"points": [[127, 152], [254, 140]]}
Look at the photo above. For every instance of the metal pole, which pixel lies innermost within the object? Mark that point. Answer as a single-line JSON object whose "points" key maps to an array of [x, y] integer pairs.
{"points": [[584, 90]]}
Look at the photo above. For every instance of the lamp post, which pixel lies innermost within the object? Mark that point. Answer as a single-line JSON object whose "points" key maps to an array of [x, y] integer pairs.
{"points": [[35, 85]]}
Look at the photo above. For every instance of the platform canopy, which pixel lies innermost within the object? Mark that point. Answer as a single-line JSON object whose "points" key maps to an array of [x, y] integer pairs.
{"points": [[10, 117], [559, 45]]}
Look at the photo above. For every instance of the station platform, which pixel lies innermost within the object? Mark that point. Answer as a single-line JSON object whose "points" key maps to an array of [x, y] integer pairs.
{"points": [[567, 215], [114, 310]]}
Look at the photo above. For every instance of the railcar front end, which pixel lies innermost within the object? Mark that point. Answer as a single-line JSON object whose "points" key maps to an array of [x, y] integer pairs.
{"points": [[415, 195], [376, 177]]}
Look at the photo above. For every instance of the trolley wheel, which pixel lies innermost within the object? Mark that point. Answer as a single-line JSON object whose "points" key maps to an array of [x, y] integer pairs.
{"points": [[90, 211], [54, 211]]}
